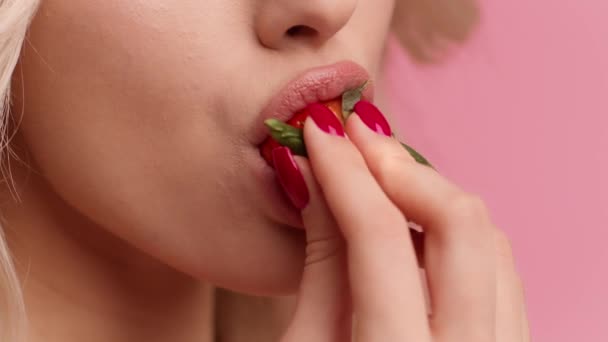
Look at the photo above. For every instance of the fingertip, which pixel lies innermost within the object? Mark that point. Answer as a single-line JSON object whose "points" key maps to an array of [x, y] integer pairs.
{"points": [[373, 118], [371, 143], [313, 187], [356, 128], [290, 177]]}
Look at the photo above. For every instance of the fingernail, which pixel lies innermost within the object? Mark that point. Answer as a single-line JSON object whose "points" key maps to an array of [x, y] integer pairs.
{"points": [[290, 177], [373, 118], [325, 119]]}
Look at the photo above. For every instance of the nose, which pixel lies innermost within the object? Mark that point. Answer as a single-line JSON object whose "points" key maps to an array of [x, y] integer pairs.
{"points": [[283, 23]]}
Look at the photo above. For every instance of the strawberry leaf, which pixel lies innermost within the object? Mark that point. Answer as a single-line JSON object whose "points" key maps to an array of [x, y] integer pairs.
{"points": [[287, 135], [293, 138], [417, 156], [350, 98]]}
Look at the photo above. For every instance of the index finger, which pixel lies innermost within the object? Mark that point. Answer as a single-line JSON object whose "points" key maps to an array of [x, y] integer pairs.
{"points": [[386, 289], [459, 255]]}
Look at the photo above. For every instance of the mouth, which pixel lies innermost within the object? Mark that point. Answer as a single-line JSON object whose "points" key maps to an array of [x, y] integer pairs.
{"points": [[318, 84], [314, 85]]}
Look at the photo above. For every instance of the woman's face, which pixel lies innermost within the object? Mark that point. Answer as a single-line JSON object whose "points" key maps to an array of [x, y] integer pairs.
{"points": [[145, 117]]}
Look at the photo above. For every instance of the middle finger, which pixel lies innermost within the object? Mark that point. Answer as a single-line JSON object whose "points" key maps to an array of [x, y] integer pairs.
{"points": [[459, 244]]}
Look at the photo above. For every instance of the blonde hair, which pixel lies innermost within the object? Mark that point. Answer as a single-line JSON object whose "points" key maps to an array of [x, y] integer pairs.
{"points": [[15, 16], [422, 26]]}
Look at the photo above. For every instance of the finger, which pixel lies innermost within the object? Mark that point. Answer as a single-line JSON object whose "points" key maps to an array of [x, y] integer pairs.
{"points": [[525, 324], [323, 305], [459, 256], [509, 294], [385, 285]]}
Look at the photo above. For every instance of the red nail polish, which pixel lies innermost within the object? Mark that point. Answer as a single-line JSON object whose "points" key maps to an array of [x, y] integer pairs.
{"points": [[373, 118], [325, 119], [290, 177]]}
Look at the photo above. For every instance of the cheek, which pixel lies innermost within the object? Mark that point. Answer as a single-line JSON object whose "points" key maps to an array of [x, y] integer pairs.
{"points": [[126, 116], [131, 139], [105, 110], [366, 32]]}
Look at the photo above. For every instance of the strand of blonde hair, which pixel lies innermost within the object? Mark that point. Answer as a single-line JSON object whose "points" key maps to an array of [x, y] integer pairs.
{"points": [[15, 16]]}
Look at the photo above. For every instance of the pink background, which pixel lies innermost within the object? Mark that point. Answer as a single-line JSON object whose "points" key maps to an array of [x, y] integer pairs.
{"points": [[520, 116]]}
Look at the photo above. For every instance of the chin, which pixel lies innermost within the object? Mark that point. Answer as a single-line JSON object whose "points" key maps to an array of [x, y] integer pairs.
{"points": [[263, 261], [265, 281]]}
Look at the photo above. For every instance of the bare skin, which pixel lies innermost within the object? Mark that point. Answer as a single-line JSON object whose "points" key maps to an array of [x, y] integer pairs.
{"points": [[357, 240], [135, 194], [136, 128]]}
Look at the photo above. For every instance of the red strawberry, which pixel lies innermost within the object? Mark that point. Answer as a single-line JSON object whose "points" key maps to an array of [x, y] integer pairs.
{"points": [[290, 133], [300, 117], [298, 121], [266, 149]]}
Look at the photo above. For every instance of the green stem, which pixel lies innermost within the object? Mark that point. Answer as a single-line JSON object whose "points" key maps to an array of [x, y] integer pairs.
{"points": [[287, 135], [350, 98], [293, 138]]}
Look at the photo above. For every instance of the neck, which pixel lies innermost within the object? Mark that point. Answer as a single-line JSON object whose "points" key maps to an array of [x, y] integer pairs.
{"points": [[83, 284]]}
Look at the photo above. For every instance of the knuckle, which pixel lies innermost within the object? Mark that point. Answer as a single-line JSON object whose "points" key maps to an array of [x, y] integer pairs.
{"points": [[389, 166], [323, 249], [467, 208]]}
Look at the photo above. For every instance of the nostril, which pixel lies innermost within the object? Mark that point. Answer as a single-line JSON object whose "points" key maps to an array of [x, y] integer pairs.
{"points": [[302, 31]]}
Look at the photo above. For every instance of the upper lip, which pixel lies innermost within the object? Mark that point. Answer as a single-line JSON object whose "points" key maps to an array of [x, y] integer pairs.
{"points": [[314, 85]]}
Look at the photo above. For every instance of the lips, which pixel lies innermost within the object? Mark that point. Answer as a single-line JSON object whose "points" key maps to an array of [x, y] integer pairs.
{"points": [[315, 85]]}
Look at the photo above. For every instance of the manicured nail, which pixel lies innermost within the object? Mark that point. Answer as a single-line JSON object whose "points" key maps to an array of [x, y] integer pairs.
{"points": [[325, 119], [290, 177], [373, 118]]}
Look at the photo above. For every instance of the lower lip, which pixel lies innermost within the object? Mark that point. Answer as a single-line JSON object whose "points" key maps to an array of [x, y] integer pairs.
{"points": [[281, 209]]}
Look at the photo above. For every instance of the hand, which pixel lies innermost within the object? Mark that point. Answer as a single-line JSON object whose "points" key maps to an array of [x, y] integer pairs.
{"points": [[357, 195]]}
